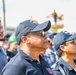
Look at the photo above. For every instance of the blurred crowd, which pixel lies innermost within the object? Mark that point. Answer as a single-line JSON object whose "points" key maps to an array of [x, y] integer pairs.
{"points": [[30, 51]]}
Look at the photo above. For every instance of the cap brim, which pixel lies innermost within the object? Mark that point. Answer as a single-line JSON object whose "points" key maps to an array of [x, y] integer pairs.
{"points": [[44, 26], [72, 37]]}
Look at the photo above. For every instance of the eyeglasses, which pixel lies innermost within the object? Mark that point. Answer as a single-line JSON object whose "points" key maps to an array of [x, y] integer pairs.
{"points": [[71, 41], [43, 33], [39, 33]]}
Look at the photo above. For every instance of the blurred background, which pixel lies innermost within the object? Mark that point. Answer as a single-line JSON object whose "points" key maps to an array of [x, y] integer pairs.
{"points": [[12, 12]]}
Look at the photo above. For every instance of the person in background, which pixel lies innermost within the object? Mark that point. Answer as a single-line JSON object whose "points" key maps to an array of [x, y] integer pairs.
{"points": [[55, 17], [32, 42], [6, 46], [65, 45], [3, 59], [12, 44], [50, 53]]}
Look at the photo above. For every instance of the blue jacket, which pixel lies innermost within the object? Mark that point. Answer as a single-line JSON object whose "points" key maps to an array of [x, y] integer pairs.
{"points": [[22, 64], [3, 59], [63, 68]]}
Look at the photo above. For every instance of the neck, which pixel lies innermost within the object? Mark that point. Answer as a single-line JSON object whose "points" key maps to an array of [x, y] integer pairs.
{"points": [[69, 59], [34, 53]]}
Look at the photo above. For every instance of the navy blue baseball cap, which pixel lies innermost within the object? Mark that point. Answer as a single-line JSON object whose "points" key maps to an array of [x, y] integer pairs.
{"points": [[29, 26], [61, 38]]}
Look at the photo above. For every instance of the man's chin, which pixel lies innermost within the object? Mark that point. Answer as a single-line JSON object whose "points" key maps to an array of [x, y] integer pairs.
{"points": [[49, 46]]}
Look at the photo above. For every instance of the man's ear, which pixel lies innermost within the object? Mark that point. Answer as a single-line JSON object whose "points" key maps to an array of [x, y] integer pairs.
{"points": [[24, 39], [62, 47]]}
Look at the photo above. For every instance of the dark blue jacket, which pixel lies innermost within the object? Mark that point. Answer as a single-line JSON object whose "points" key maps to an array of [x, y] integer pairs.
{"points": [[22, 64], [63, 67], [3, 59]]}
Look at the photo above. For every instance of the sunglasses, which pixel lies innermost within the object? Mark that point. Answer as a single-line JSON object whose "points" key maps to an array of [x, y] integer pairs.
{"points": [[38, 33], [71, 41], [43, 33]]}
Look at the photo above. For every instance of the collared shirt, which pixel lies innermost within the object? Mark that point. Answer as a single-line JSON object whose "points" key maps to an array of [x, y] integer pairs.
{"points": [[3, 59], [22, 64], [66, 68]]}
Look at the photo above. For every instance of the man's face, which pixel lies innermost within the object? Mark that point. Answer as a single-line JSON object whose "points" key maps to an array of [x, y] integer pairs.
{"points": [[38, 40], [70, 47], [1, 31]]}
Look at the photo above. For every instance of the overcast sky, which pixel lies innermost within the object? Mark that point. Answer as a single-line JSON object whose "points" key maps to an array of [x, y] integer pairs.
{"points": [[19, 10]]}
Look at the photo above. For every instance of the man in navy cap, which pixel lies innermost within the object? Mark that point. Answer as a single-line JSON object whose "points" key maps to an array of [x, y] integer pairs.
{"points": [[32, 41], [65, 44]]}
